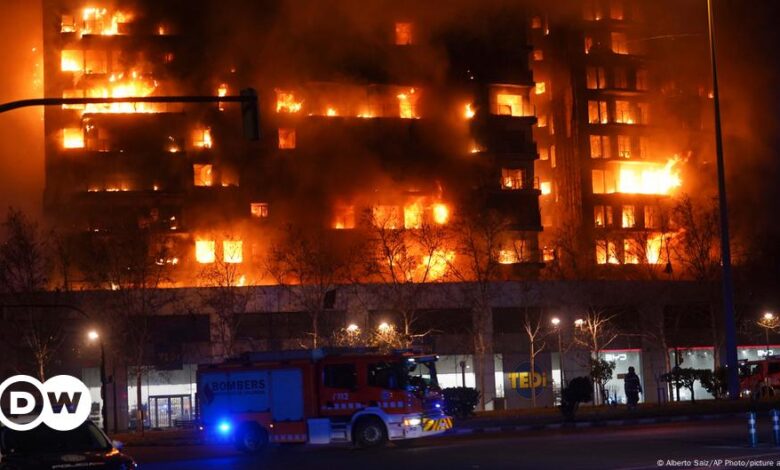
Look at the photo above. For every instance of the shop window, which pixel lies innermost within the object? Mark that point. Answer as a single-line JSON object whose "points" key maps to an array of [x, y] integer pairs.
{"points": [[511, 178], [629, 216], [595, 78], [597, 112], [599, 146], [258, 210], [624, 146], [286, 138], [342, 376], [619, 43], [404, 34]]}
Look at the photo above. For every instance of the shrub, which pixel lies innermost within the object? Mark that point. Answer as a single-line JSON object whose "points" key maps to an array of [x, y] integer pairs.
{"points": [[460, 401], [716, 383], [579, 390]]}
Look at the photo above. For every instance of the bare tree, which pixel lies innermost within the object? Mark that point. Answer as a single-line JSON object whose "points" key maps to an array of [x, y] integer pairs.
{"points": [[532, 325], [24, 271], [595, 332], [309, 265], [226, 298], [132, 264], [404, 260]]}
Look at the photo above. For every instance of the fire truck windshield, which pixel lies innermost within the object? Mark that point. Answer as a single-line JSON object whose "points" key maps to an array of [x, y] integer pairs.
{"points": [[422, 375]]}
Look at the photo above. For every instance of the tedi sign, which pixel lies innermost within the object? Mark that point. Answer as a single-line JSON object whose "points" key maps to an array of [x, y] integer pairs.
{"points": [[62, 402], [524, 382]]}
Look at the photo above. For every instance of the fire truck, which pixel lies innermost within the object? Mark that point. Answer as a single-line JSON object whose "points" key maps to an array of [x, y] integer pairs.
{"points": [[760, 379], [321, 396]]}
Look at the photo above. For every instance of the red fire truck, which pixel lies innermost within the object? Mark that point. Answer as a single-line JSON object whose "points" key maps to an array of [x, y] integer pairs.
{"points": [[321, 396], [760, 379]]}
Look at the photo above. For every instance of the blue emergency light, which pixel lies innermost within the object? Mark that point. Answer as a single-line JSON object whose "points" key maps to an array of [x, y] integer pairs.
{"points": [[224, 427]]}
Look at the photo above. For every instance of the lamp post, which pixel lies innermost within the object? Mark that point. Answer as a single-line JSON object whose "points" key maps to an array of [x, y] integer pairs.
{"points": [[93, 336], [768, 321], [557, 325]]}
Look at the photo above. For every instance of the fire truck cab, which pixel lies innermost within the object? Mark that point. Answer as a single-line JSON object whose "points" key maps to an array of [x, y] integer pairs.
{"points": [[321, 396], [760, 379]]}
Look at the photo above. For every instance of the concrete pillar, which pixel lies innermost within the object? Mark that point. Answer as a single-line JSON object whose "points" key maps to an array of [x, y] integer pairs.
{"points": [[653, 354], [484, 365]]}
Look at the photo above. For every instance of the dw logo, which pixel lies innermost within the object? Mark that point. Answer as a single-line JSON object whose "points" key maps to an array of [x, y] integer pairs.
{"points": [[62, 402]]}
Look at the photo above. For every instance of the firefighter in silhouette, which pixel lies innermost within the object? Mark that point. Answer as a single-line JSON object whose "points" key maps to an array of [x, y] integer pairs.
{"points": [[632, 387]]}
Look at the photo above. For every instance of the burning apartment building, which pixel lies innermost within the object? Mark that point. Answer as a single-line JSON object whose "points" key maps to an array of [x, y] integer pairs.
{"points": [[405, 153]]}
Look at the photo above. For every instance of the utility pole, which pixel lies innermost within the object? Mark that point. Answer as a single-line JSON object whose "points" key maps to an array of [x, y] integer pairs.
{"points": [[725, 249]]}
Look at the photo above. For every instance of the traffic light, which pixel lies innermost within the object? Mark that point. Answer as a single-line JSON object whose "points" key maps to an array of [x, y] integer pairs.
{"points": [[249, 114]]}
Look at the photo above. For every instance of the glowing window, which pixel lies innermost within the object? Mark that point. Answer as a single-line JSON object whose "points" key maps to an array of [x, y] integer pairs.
{"points": [[651, 217], [536, 22], [597, 112], [67, 24], [619, 43], [538, 55], [546, 188], [594, 77], [286, 138], [72, 138], [203, 174], [623, 112], [606, 252], [548, 254], [544, 154], [441, 213], [653, 249], [540, 88], [588, 44], [407, 104], [404, 34], [286, 102], [344, 217], [387, 217], [629, 216], [643, 144], [511, 178], [603, 181], [258, 210], [73, 93], [599, 146], [71, 60], [201, 138], [232, 251], [541, 120], [624, 146], [508, 104], [553, 161], [413, 215], [591, 10], [644, 113], [205, 251], [632, 251]]}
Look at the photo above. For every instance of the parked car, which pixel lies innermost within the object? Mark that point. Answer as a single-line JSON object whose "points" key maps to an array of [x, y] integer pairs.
{"points": [[45, 448]]}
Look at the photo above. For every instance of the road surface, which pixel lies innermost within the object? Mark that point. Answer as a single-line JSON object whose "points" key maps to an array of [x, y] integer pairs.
{"points": [[713, 444]]}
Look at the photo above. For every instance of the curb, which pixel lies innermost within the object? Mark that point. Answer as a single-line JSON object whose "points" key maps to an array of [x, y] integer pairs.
{"points": [[591, 424]]}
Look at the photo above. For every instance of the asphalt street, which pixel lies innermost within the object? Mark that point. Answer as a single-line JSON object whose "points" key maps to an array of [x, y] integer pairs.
{"points": [[712, 444]]}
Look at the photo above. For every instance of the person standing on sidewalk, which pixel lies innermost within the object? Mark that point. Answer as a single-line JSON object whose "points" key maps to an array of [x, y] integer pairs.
{"points": [[632, 387]]}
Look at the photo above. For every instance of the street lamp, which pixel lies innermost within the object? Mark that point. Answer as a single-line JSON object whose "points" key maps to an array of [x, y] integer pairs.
{"points": [[579, 323], [94, 336], [353, 328], [768, 322], [557, 325], [383, 327]]}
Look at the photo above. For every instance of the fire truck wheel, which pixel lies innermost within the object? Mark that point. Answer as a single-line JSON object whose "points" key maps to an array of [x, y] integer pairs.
{"points": [[251, 438], [370, 432]]}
